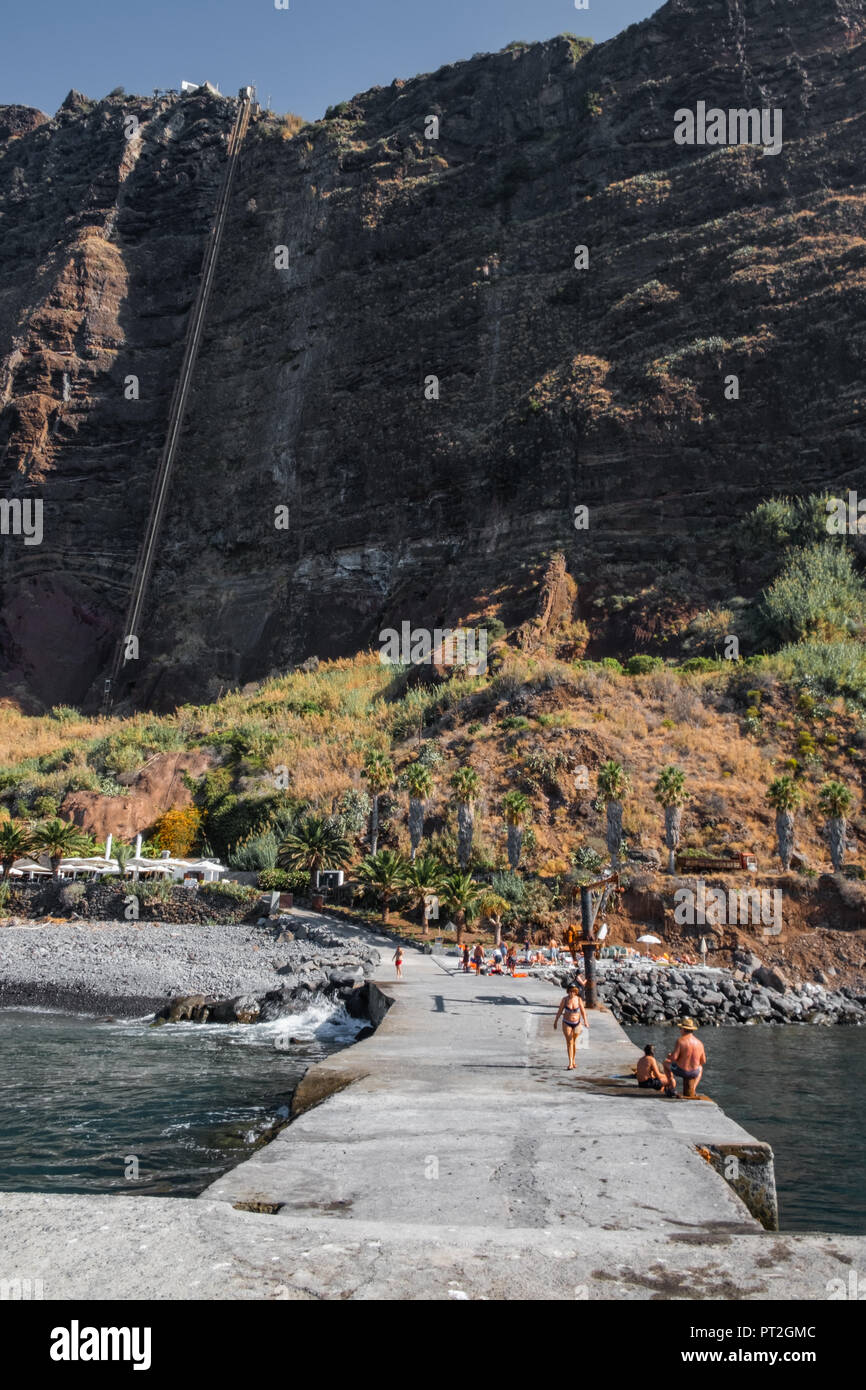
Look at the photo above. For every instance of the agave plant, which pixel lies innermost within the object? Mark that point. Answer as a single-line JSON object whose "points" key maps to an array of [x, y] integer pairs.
{"points": [[461, 896], [516, 808], [16, 842], [316, 844], [59, 839], [834, 802], [784, 796], [419, 780], [613, 788], [465, 787], [424, 876], [379, 772], [670, 792], [385, 871]]}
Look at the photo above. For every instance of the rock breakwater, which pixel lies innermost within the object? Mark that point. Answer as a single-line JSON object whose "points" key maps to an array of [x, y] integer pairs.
{"points": [[638, 994]]}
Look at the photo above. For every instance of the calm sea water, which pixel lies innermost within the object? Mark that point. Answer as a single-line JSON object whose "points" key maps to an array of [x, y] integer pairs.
{"points": [[803, 1091], [80, 1097]]}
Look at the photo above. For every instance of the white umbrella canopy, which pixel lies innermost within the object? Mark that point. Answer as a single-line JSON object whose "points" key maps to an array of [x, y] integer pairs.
{"points": [[28, 866], [656, 940]]}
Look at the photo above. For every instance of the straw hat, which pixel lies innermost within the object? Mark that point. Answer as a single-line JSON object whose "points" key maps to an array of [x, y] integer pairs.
{"points": [[688, 1025]]}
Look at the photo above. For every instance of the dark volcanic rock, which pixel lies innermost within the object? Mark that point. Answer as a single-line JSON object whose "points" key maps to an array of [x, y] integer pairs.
{"points": [[409, 258]]}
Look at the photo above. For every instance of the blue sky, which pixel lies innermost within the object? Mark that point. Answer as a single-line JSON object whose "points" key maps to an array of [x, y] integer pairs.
{"points": [[314, 54]]}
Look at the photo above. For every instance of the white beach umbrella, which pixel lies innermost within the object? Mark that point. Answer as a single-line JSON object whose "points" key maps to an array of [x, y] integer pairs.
{"points": [[649, 939]]}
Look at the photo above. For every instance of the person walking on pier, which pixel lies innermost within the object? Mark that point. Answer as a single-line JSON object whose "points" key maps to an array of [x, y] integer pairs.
{"points": [[687, 1060], [398, 962], [465, 960], [573, 1016]]}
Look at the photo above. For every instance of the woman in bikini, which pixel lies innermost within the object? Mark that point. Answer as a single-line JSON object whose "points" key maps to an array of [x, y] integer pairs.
{"points": [[398, 962], [573, 1016]]}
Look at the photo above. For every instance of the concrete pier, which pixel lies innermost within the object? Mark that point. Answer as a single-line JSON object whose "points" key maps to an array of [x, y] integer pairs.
{"points": [[451, 1155]]}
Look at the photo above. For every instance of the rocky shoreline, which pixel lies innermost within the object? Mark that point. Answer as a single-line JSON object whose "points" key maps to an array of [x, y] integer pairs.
{"points": [[751, 994], [234, 972]]}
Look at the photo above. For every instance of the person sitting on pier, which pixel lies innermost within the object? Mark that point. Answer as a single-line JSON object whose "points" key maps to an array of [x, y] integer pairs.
{"points": [[649, 1075], [573, 1016], [687, 1060]]}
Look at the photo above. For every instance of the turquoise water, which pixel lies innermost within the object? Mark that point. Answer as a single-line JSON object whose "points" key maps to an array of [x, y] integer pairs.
{"points": [[802, 1090], [95, 1106]]}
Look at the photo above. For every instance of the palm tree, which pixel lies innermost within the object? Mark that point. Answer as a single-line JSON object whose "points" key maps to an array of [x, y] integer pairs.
{"points": [[316, 844], [492, 906], [16, 842], [425, 875], [517, 809], [387, 872], [122, 853], [461, 895], [670, 792], [58, 839], [784, 796], [379, 772], [613, 788], [465, 785], [419, 780], [834, 802]]}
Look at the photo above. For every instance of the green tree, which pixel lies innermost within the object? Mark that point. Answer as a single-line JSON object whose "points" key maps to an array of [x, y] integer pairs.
{"points": [[613, 788], [516, 808], [16, 842], [419, 781], [461, 896], [424, 875], [386, 872], [379, 772], [316, 844], [784, 796], [59, 840], [491, 905], [834, 801], [670, 792], [464, 784]]}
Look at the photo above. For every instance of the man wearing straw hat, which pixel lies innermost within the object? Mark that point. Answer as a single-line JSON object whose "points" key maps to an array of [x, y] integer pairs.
{"points": [[687, 1060]]}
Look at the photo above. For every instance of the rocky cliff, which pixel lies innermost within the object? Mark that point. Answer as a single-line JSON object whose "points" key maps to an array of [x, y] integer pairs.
{"points": [[408, 257]]}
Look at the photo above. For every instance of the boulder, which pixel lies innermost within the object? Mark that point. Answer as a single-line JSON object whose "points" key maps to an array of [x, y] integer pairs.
{"points": [[244, 1008], [771, 979], [185, 1008]]}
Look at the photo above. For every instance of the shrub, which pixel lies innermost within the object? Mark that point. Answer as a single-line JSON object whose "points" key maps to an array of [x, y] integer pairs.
{"points": [[178, 830], [71, 894], [283, 881], [255, 852], [817, 595], [642, 665], [64, 714], [830, 668], [235, 892]]}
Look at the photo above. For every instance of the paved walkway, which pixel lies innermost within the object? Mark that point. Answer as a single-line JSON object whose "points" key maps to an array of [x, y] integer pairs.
{"points": [[453, 1156]]}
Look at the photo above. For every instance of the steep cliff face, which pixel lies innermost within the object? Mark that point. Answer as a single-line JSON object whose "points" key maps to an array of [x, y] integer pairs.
{"points": [[408, 257]]}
